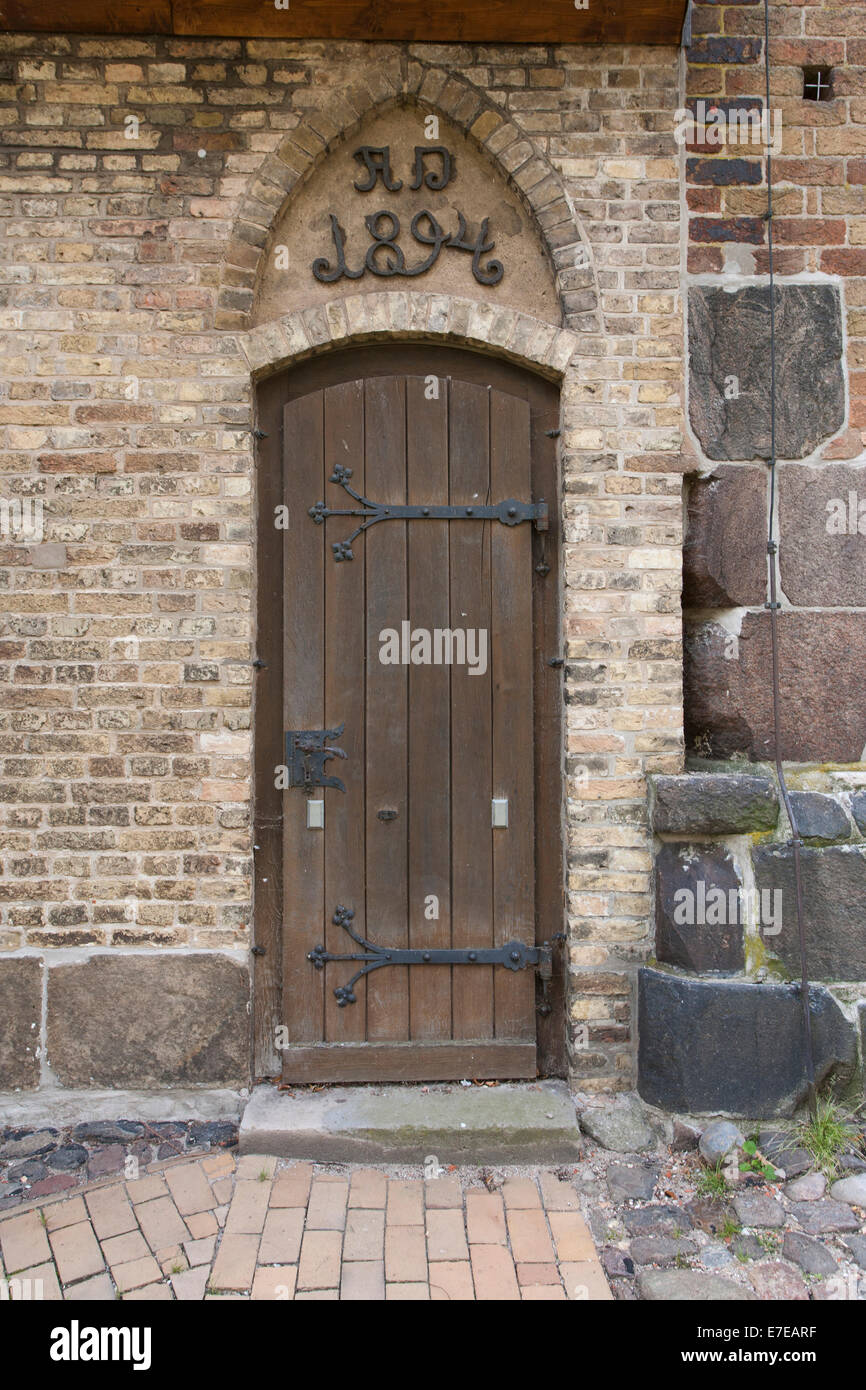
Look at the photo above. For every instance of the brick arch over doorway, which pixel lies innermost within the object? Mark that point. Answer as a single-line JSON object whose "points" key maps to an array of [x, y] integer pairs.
{"points": [[522, 162]]}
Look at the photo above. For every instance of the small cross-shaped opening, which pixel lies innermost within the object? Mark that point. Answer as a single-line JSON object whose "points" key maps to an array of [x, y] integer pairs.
{"points": [[817, 84]]}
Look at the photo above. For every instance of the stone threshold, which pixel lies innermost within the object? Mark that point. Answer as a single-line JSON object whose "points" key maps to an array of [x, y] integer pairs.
{"points": [[59, 1108], [513, 1122]]}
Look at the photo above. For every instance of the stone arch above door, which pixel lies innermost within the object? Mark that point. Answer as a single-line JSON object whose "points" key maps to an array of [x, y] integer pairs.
{"points": [[411, 316], [519, 161]]}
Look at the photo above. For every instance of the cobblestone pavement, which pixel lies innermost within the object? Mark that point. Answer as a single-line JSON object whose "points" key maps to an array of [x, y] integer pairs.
{"points": [[219, 1226]]}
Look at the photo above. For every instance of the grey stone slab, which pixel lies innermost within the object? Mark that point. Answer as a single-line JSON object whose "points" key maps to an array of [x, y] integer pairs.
{"points": [[657, 1220], [698, 909], [621, 1126], [660, 1250], [825, 1216], [774, 1280], [758, 1209], [808, 1253], [155, 1020], [749, 1057], [628, 1182], [857, 1248], [834, 901], [512, 1123], [21, 1013], [729, 341], [820, 817], [689, 1285], [708, 803]]}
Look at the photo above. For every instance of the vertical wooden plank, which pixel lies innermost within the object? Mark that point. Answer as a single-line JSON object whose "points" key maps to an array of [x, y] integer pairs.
{"points": [[471, 770], [303, 708], [429, 712], [386, 693], [344, 704], [511, 656]]}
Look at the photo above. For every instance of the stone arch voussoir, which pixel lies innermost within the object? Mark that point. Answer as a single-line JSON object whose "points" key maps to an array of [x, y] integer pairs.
{"points": [[434, 89], [407, 315]]}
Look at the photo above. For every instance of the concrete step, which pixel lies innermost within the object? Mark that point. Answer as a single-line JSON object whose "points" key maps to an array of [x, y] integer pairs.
{"points": [[514, 1122]]}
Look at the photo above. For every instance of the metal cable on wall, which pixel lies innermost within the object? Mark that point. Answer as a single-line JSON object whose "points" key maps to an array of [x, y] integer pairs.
{"points": [[773, 606]]}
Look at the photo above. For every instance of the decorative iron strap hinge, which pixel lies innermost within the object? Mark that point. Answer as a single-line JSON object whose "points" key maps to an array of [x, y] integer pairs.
{"points": [[514, 955], [511, 512], [306, 755]]}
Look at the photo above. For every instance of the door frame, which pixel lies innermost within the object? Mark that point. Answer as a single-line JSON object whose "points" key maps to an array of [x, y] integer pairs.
{"points": [[351, 362]]}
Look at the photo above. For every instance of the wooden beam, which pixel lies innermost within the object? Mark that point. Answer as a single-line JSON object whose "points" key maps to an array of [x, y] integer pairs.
{"points": [[86, 16], [461, 21]]}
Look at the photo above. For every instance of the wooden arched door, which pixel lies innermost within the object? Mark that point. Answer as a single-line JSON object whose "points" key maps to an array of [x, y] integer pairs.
{"points": [[408, 869]]}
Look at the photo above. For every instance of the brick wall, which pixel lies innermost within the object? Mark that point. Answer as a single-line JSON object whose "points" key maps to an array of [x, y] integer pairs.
{"points": [[125, 406]]}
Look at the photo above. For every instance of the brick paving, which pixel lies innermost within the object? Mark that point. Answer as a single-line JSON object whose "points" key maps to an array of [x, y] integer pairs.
{"points": [[255, 1227]]}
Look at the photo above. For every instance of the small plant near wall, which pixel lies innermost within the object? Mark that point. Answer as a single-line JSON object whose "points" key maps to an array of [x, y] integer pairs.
{"points": [[753, 1161], [828, 1136], [712, 1182]]}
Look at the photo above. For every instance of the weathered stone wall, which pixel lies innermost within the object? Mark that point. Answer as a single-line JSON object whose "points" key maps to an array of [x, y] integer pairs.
{"points": [[720, 1001], [128, 269], [720, 1010], [819, 235]]}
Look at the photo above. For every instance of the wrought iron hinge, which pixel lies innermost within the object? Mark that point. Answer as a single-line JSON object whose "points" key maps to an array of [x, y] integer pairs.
{"points": [[511, 512], [514, 955], [307, 751], [545, 974]]}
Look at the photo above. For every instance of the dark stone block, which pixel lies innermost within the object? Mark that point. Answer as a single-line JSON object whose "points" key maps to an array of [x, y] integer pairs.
{"points": [[822, 541], [729, 337], [826, 1216], [728, 696], [732, 1047], [108, 1160], [808, 1253], [220, 1132], [820, 817], [136, 1020], [746, 1246], [725, 549], [710, 1213], [698, 909], [858, 810], [21, 1014], [107, 1131], [834, 901], [708, 803], [71, 1156], [32, 1169], [659, 1220]]}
